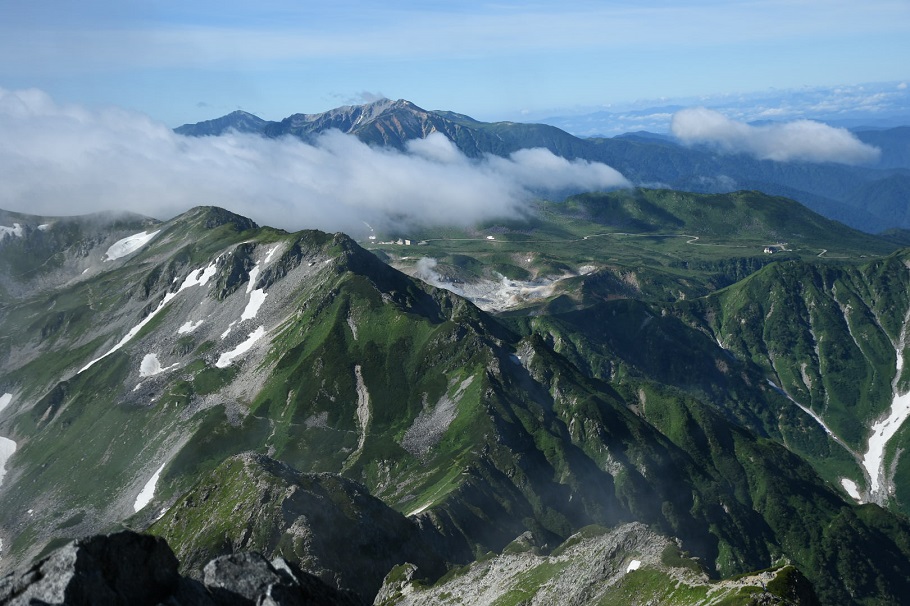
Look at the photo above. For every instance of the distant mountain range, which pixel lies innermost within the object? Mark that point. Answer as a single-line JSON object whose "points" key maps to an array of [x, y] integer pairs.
{"points": [[871, 198]]}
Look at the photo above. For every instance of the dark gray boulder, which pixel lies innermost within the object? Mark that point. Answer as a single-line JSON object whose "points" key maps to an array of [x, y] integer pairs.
{"points": [[122, 568], [133, 569]]}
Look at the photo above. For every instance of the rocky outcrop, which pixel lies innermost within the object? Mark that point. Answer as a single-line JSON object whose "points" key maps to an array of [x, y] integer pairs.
{"points": [[330, 525], [630, 564], [132, 569]]}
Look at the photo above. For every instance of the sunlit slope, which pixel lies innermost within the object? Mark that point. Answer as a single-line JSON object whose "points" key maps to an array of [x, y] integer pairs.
{"points": [[130, 387], [642, 243], [833, 338]]}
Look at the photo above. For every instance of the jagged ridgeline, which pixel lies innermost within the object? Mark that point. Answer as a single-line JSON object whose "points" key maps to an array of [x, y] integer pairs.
{"points": [[871, 198], [384, 420]]}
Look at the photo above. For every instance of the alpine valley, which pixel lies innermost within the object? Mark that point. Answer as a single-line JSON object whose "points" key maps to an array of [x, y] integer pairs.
{"points": [[643, 396]]}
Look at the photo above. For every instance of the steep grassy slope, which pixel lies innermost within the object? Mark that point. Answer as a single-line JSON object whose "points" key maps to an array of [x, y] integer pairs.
{"points": [[331, 525], [130, 391], [833, 339]]}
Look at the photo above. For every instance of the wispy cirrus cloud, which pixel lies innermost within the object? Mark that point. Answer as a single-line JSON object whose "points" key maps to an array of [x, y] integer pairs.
{"points": [[210, 35], [64, 159], [799, 140]]}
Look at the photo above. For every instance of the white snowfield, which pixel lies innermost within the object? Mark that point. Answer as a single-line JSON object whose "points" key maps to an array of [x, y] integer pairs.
{"points": [[419, 510], [5, 399], [150, 366], [882, 432], [7, 448], [852, 489], [199, 277], [257, 298], [128, 245], [887, 428], [15, 230], [633, 565], [254, 274], [225, 359], [189, 326], [148, 491]]}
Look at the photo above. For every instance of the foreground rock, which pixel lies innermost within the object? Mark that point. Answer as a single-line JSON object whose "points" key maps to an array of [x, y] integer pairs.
{"points": [[133, 569]]}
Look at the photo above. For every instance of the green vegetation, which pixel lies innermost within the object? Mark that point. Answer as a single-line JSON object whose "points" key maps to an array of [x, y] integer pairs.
{"points": [[653, 386]]}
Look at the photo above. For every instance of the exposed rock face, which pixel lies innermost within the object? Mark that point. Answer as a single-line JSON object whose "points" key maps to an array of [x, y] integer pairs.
{"points": [[329, 524], [133, 569]]}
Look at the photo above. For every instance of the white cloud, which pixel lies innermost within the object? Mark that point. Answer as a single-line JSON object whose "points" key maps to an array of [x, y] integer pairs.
{"points": [[800, 140], [57, 159]]}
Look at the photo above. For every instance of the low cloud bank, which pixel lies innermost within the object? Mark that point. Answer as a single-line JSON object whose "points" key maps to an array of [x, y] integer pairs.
{"points": [[800, 140], [61, 160]]}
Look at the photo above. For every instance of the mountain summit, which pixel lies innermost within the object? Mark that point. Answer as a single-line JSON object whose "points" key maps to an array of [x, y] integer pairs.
{"points": [[394, 123], [871, 198]]}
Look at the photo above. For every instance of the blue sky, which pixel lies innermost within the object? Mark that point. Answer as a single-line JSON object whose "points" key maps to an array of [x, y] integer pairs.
{"points": [[183, 62]]}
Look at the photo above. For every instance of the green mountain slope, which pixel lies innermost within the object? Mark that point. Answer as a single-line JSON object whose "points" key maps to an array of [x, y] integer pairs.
{"points": [[131, 388], [648, 244], [833, 339]]}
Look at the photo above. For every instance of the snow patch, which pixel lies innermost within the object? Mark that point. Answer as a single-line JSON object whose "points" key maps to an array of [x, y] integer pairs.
{"points": [[882, 432], [887, 428], [268, 256], [7, 448], [257, 298], [133, 331], [227, 331], [189, 326], [852, 489], [128, 245], [15, 230], [148, 491], [5, 400], [199, 277], [150, 366], [254, 273], [418, 510], [225, 359], [633, 565], [44, 227]]}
